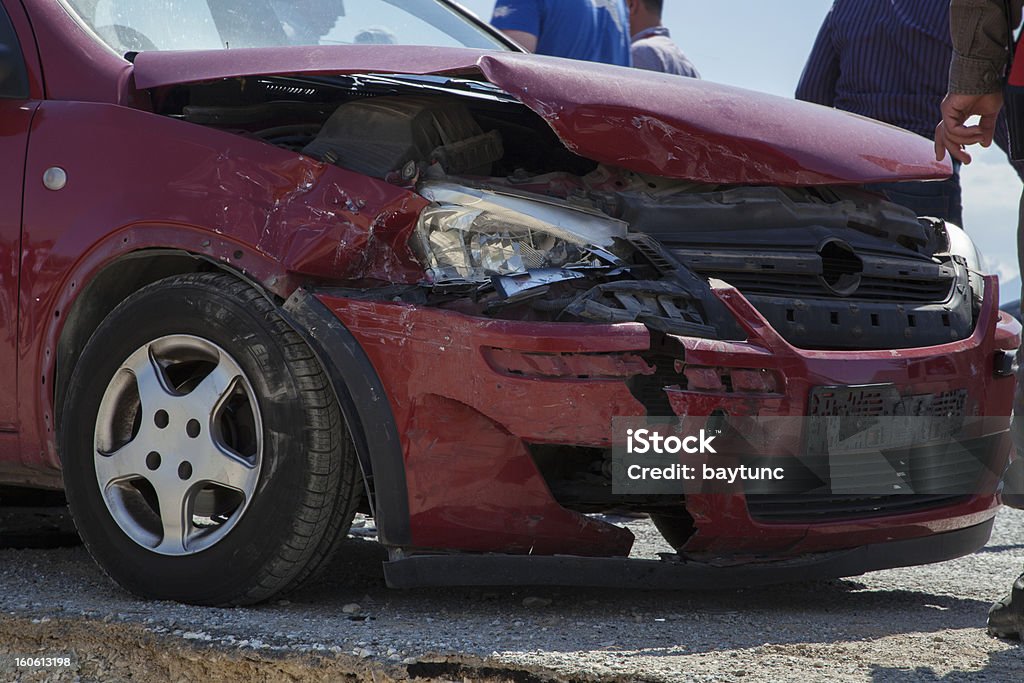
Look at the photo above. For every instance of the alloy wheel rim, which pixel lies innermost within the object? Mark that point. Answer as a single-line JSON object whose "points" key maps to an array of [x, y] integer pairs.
{"points": [[178, 445]]}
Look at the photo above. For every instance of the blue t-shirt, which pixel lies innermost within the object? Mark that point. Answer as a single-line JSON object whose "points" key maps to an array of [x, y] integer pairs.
{"points": [[592, 30]]}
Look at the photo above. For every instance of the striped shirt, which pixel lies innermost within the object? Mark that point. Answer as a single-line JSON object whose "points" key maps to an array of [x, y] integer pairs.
{"points": [[885, 59]]}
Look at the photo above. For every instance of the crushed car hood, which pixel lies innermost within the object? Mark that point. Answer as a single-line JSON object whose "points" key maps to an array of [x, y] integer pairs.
{"points": [[640, 120]]}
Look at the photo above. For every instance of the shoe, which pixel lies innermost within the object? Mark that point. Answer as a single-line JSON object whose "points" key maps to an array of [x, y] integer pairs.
{"points": [[1006, 617]]}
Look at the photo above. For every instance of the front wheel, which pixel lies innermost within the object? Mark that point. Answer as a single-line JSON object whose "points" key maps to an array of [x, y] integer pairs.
{"points": [[205, 457]]}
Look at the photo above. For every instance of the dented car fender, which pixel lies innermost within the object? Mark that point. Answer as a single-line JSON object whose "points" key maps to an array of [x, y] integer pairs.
{"points": [[269, 214]]}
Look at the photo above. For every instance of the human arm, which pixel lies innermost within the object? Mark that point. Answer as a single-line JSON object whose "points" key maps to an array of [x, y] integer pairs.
{"points": [[527, 40], [520, 20], [979, 30]]}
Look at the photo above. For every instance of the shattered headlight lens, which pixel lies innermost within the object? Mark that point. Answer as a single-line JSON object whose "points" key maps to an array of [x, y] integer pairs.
{"points": [[467, 244], [473, 234]]}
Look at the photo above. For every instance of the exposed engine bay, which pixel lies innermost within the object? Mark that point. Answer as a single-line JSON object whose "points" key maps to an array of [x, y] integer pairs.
{"points": [[522, 228]]}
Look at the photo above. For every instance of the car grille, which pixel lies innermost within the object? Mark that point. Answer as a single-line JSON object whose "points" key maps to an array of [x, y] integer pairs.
{"points": [[841, 296], [924, 290]]}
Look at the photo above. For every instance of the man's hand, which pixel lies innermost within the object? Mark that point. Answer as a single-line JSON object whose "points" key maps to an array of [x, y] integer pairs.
{"points": [[952, 134]]}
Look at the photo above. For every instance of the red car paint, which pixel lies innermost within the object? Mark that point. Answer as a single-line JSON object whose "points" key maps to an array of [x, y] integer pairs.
{"points": [[693, 130], [139, 181], [503, 413]]}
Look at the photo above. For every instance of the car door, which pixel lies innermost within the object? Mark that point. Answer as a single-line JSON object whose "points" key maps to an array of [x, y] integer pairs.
{"points": [[16, 111]]}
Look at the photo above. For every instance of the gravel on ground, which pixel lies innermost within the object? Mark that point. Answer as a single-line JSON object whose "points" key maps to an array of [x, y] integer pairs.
{"points": [[913, 624]]}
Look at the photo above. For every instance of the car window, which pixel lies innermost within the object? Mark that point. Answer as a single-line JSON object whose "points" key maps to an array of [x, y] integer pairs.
{"points": [[138, 25], [13, 76]]}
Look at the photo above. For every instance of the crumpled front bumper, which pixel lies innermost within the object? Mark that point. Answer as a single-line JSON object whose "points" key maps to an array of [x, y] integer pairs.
{"points": [[468, 395]]}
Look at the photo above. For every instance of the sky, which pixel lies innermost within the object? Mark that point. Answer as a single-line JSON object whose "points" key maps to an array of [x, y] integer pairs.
{"points": [[763, 45]]}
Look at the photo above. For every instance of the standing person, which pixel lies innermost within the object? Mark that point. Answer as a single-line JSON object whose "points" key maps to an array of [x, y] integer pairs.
{"points": [[591, 30], [981, 31], [653, 48], [305, 23], [888, 60]]}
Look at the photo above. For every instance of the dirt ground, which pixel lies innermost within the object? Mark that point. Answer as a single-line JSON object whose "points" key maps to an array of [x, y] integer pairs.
{"points": [[916, 624]]}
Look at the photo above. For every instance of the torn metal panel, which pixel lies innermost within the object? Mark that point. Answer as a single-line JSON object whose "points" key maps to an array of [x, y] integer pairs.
{"points": [[465, 423], [665, 307], [708, 132], [693, 130], [317, 219], [475, 482], [442, 354], [330, 236], [513, 288], [514, 382]]}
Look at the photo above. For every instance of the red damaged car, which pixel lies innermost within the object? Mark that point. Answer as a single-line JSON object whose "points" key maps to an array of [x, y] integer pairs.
{"points": [[266, 262]]}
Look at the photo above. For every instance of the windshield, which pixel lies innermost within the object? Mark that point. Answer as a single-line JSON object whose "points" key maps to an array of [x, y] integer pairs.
{"points": [[140, 25]]}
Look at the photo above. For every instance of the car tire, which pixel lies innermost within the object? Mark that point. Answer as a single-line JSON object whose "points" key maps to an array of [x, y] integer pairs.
{"points": [[205, 457]]}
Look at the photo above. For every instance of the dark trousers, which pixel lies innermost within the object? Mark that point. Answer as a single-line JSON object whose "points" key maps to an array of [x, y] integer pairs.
{"points": [[1013, 481], [937, 198]]}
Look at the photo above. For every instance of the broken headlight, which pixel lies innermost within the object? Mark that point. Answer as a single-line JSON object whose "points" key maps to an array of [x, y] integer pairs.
{"points": [[470, 235], [961, 245], [464, 244]]}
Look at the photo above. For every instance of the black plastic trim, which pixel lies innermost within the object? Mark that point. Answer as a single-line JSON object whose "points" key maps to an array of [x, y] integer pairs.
{"points": [[366, 409], [674, 574]]}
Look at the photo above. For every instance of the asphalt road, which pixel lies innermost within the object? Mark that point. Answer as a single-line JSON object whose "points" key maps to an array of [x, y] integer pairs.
{"points": [[919, 624]]}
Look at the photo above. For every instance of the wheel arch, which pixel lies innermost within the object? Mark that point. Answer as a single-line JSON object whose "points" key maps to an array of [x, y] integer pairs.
{"points": [[114, 283], [367, 411], [379, 449]]}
